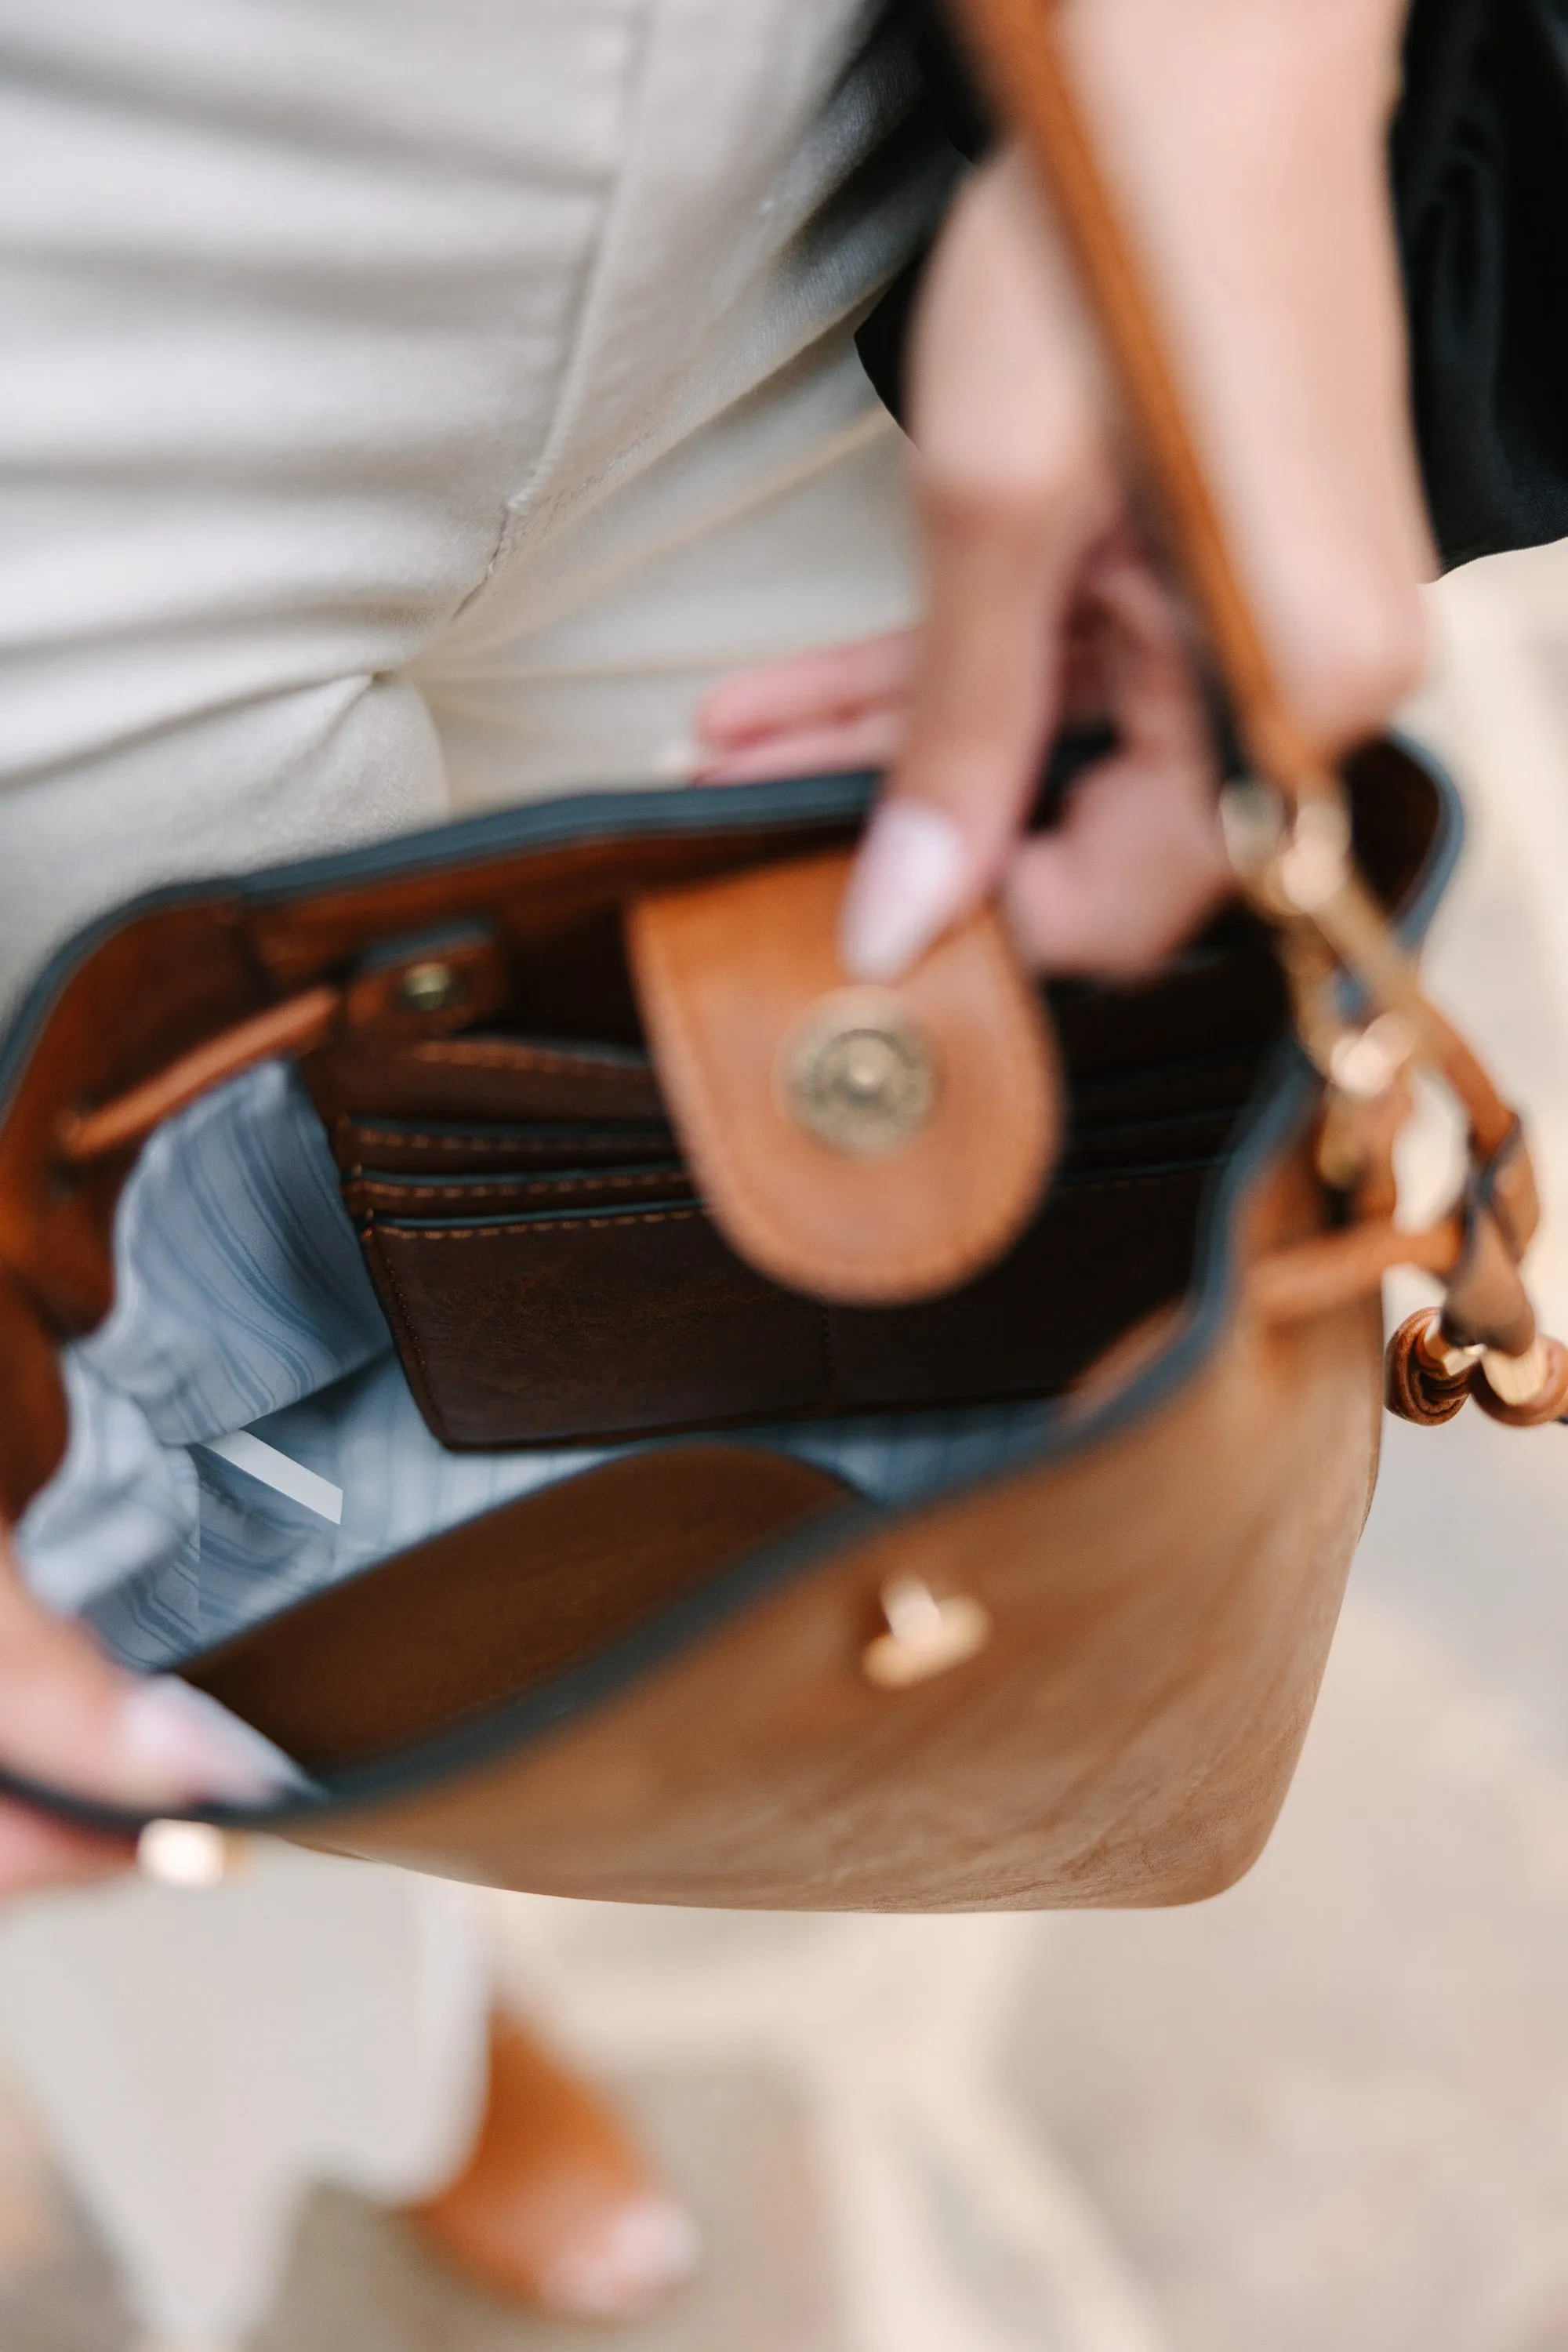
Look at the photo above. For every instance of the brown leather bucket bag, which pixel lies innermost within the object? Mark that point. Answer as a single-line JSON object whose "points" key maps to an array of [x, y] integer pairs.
{"points": [[634, 1172]]}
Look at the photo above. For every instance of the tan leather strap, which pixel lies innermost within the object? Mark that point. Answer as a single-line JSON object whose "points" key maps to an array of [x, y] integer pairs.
{"points": [[295, 1027], [1016, 46], [1313, 1277], [1291, 841], [408, 990]]}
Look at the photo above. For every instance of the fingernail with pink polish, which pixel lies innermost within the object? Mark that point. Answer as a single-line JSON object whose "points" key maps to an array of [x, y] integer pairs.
{"points": [[181, 1744], [623, 2264], [909, 881]]}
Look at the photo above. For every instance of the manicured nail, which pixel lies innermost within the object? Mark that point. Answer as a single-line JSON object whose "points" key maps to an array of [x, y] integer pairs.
{"points": [[909, 881], [183, 1744], [625, 2264], [679, 760]]}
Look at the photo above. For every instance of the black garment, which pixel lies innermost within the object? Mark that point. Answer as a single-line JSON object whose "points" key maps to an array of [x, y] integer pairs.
{"points": [[1481, 176], [961, 118], [1480, 161]]}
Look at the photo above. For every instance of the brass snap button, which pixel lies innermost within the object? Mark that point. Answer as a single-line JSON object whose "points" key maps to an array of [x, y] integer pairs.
{"points": [[858, 1073]]}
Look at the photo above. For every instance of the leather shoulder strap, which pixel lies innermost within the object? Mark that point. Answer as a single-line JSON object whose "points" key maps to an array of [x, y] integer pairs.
{"points": [[1289, 829]]}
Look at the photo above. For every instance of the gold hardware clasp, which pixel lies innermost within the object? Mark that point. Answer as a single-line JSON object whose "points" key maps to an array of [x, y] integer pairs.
{"points": [[1293, 862], [925, 1636]]}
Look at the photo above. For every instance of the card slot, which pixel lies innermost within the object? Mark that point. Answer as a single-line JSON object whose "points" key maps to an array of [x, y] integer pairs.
{"points": [[481, 1078], [1083, 1273], [439, 1148], [670, 1193], [536, 1329], [1192, 1086], [383, 1139], [376, 1191], [1130, 1146], [581, 1322], [1227, 996]]}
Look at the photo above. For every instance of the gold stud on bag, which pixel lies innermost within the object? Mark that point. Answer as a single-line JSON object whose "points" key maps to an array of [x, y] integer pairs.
{"points": [[925, 1636], [937, 1419], [857, 1074]]}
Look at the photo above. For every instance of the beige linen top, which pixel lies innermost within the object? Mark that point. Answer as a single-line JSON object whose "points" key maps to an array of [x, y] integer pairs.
{"points": [[409, 407]]}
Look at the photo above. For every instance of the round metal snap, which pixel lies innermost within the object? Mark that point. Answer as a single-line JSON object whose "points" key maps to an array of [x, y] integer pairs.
{"points": [[858, 1073], [428, 988]]}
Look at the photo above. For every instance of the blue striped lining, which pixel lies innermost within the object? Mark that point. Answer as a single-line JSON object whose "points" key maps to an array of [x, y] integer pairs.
{"points": [[243, 1303]]}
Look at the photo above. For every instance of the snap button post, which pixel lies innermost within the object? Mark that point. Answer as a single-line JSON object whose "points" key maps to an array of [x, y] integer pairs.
{"points": [[447, 978], [431, 987], [856, 1073]]}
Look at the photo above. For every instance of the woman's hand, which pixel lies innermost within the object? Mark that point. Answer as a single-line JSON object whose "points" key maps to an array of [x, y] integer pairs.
{"points": [[1246, 139], [1137, 857], [69, 1719], [813, 714]]}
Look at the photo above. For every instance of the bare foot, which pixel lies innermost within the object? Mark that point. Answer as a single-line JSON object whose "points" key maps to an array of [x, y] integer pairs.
{"points": [[557, 2207]]}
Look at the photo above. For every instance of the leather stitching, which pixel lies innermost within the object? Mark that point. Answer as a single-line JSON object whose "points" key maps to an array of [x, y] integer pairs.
{"points": [[661, 1217], [504, 1056], [547, 1225], [401, 1137], [530, 1185]]}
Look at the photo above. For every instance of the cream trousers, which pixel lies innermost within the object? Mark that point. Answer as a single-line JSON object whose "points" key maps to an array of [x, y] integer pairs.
{"points": [[403, 408]]}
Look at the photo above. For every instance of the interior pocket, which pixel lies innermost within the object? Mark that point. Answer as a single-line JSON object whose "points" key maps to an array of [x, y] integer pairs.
{"points": [[479, 1079], [594, 1322], [1102, 1255], [590, 1323], [1133, 1147], [488, 1609], [374, 1192], [551, 1276], [441, 1148]]}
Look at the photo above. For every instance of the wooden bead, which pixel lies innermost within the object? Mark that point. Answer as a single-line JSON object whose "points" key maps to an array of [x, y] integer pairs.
{"points": [[1414, 1388], [1549, 1400]]}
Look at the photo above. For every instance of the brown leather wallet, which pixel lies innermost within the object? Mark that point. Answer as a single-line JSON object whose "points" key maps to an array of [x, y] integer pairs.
{"points": [[547, 1283]]}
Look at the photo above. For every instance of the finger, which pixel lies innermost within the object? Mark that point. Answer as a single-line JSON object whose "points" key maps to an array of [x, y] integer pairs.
{"points": [[807, 690], [1130, 874], [69, 1719], [1139, 660], [1138, 860], [871, 740], [34, 1850], [1015, 487], [36, 1853]]}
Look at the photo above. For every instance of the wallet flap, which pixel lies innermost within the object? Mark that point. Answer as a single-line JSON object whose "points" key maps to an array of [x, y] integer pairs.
{"points": [[862, 1144]]}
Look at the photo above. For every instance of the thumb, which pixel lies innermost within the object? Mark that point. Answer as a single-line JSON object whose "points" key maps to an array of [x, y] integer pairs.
{"points": [[69, 1719], [1015, 487], [1137, 861]]}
